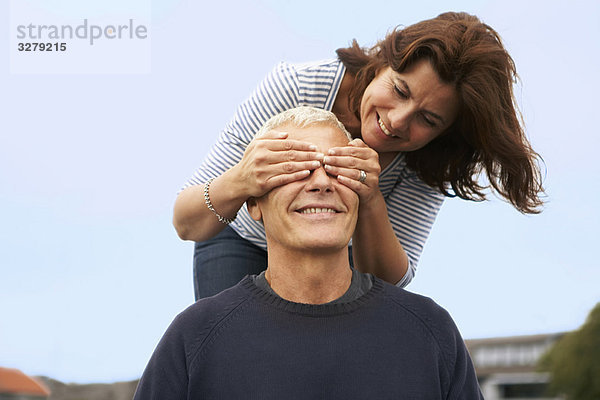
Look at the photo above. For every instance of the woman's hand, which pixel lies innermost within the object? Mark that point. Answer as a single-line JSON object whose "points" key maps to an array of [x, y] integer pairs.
{"points": [[273, 160], [375, 248], [348, 162]]}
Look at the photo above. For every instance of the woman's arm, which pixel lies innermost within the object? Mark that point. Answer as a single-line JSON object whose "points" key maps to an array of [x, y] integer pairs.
{"points": [[412, 207], [269, 161], [191, 217], [228, 192], [395, 215], [375, 248]]}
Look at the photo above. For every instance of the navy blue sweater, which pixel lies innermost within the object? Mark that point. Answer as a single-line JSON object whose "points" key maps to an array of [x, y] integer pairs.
{"points": [[246, 343]]}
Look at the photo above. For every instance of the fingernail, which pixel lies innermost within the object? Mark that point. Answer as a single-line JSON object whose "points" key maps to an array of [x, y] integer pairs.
{"points": [[315, 164], [320, 156], [312, 147], [327, 160], [327, 167], [331, 152]]}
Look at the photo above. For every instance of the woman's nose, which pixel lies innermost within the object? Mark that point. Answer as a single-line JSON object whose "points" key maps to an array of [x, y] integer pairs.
{"points": [[400, 119]]}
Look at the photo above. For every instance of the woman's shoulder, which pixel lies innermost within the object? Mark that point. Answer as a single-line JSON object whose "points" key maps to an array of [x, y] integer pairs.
{"points": [[317, 68], [328, 63], [314, 83]]}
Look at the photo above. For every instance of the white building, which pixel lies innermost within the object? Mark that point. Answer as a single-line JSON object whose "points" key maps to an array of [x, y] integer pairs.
{"points": [[507, 367]]}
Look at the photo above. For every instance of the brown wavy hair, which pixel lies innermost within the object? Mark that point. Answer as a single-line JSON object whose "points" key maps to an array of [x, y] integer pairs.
{"points": [[488, 135]]}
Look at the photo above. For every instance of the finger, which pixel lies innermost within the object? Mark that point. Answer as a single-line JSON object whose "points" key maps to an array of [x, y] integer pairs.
{"points": [[353, 174], [286, 145], [289, 144], [273, 134], [277, 157], [358, 143], [273, 138], [347, 162], [292, 167], [283, 179], [270, 176], [359, 188], [353, 151]]}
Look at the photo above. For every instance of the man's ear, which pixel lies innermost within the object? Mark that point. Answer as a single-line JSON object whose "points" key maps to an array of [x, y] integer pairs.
{"points": [[254, 209]]}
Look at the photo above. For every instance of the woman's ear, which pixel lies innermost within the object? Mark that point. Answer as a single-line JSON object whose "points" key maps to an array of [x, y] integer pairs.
{"points": [[254, 209]]}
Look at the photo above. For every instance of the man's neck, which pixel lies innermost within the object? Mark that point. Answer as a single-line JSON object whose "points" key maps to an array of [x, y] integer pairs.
{"points": [[309, 278]]}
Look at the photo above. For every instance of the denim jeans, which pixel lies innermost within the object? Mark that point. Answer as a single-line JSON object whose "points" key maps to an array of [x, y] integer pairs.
{"points": [[224, 260]]}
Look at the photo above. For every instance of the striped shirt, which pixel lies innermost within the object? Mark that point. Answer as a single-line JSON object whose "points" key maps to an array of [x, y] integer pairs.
{"points": [[412, 205]]}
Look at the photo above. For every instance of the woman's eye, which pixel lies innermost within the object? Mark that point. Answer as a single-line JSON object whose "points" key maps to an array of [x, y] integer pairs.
{"points": [[427, 121], [400, 92]]}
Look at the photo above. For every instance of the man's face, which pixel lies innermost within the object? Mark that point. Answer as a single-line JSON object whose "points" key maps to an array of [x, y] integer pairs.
{"points": [[316, 213]]}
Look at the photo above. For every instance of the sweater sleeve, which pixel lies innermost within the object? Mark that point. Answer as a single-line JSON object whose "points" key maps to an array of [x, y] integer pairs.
{"points": [[463, 379], [166, 376], [462, 383], [458, 377]]}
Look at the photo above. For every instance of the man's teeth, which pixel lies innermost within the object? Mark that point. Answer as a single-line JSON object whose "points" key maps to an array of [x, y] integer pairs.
{"points": [[317, 210], [383, 128]]}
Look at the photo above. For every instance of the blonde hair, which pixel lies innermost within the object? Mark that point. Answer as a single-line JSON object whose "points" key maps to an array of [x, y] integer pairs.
{"points": [[303, 117]]}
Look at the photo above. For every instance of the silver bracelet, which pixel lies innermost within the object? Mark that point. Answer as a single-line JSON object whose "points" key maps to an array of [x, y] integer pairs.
{"points": [[222, 219]]}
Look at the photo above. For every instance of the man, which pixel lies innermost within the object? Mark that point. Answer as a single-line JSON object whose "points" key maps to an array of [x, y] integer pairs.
{"points": [[310, 327]]}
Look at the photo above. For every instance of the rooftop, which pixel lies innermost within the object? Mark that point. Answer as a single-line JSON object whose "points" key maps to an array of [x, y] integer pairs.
{"points": [[13, 381]]}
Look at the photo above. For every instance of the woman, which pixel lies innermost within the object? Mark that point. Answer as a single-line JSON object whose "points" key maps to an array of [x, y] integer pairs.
{"points": [[430, 107]]}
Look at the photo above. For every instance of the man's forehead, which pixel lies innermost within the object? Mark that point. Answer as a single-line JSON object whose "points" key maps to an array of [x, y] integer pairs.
{"points": [[321, 135]]}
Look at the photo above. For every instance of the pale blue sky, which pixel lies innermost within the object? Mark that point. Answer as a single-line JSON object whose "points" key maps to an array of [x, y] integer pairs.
{"points": [[92, 271]]}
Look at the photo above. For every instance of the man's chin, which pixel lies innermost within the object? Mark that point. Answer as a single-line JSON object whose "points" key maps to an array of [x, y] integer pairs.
{"points": [[320, 246]]}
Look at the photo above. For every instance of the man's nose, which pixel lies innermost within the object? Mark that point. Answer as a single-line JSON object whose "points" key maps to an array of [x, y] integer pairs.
{"points": [[320, 181]]}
